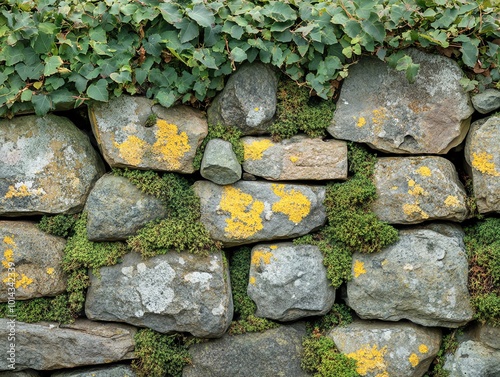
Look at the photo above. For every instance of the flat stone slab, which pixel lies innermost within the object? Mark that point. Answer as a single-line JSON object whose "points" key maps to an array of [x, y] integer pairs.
{"points": [[112, 371], [34, 259], [297, 158], [473, 359], [248, 212], [288, 281], [48, 166], [422, 277], [132, 132], [388, 349], [411, 190], [167, 293], [378, 106]]}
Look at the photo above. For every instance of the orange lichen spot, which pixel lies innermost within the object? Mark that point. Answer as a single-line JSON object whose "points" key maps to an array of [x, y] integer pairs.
{"points": [[252, 280], [9, 241], [379, 116], [21, 190], [170, 145], [294, 159], [424, 171], [423, 348], [370, 360], [132, 149], [245, 213], [361, 122], [273, 247], [484, 163], [255, 149], [414, 360], [261, 256], [410, 209], [292, 203], [451, 201], [359, 268], [50, 270], [8, 256]]}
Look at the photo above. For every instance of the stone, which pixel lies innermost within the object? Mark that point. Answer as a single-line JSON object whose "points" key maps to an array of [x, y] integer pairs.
{"points": [[411, 190], [273, 353], [112, 371], [133, 132], [487, 101], [422, 277], [388, 349], [248, 212], [117, 209], [48, 166], [248, 100], [378, 106], [167, 293], [288, 281], [297, 158], [483, 157], [487, 334], [36, 259], [219, 164], [48, 345], [473, 359], [22, 373]]}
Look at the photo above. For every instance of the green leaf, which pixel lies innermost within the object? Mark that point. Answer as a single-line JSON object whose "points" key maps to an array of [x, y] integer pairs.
{"points": [[13, 55], [47, 28], [412, 72], [29, 72], [279, 11], [238, 55], [99, 91], [470, 52], [55, 82], [41, 103], [203, 16], [189, 32], [204, 57], [166, 99], [170, 12], [52, 63], [43, 43], [374, 28], [352, 28], [121, 77], [80, 82], [26, 95]]}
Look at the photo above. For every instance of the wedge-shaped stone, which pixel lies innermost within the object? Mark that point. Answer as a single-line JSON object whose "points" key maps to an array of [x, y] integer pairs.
{"points": [[415, 189], [248, 212], [220, 164], [172, 292], [132, 132], [298, 158], [422, 277], [48, 166]]}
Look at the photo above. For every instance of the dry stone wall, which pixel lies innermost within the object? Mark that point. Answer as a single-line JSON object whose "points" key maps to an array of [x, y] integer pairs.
{"points": [[403, 297]]}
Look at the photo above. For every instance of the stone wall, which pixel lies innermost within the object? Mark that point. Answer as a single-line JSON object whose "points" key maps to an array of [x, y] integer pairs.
{"points": [[403, 297]]}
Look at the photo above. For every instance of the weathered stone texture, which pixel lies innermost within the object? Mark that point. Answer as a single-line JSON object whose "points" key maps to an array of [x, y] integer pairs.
{"points": [[220, 165], [473, 359], [487, 101], [112, 371]]}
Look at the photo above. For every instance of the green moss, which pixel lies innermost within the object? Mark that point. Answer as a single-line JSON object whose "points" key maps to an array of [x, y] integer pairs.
{"points": [[227, 133], [59, 225], [41, 309], [298, 112], [339, 315], [151, 121]]}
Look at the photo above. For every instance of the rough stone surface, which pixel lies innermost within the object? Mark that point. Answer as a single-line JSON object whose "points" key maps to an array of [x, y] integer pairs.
{"points": [[294, 159], [112, 371], [48, 166], [415, 189], [128, 137], [22, 373], [422, 277], [483, 157], [248, 100], [473, 359], [487, 334], [36, 257], [248, 212], [274, 353], [220, 165], [48, 345], [172, 292], [388, 349], [117, 209], [487, 101], [378, 106], [289, 281]]}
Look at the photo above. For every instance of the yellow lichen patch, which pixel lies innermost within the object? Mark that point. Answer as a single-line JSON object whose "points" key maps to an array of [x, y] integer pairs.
{"points": [[410, 209], [379, 115], [416, 189], [370, 360], [484, 163], [359, 268], [21, 191], [423, 348], [21, 281], [255, 149], [451, 201], [361, 122], [273, 247], [294, 159], [9, 241], [384, 262], [414, 360], [252, 280], [256, 109], [245, 213], [261, 256], [292, 203], [394, 187], [50, 270], [411, 183], [424, 171], [8, 256], [132, 149], [170, 145]]}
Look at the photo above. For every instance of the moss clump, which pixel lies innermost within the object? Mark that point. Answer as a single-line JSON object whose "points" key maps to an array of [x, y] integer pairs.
{"points": [[298, 112], [41, 309], [449, 345], [227, 133], [244, 308], [59, 225]]}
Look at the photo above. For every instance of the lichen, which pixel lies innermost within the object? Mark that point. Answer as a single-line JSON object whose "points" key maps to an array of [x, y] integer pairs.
{"points": [[484, 163], [170, 145], [21, 190], [411, 209], [379, 116], [50, 270], [294, 159], [416, 189], [132, 150], [361, 122], [424, 171], [370, 360], [423, 348], [359, 268], [414, 360], [255, 150], [451, 201], [252, 280], [292, 203], [261, 256]]}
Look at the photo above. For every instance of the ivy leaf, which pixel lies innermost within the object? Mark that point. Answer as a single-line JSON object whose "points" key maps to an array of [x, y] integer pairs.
{"points": [[166, 99], [279, 11], [170, 12], [51, 65], [41, 103], [470, 52], [26, 95], [99, 91], [13, 55], [29, 72], [201, 15], [374, 28], [238, 55], [189, 32], [43, 43]]}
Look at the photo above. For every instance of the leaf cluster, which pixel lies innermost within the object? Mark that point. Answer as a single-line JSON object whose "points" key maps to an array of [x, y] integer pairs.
{"points": [[60, 53]]}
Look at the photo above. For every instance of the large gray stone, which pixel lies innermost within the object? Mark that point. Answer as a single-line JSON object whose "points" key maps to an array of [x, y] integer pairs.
{"points": [[274, 353], [48, 166], [487, 101], [35, 260], [388, 349], [220, 165], [248, 100], [486, 334], [298, 158], [172, 292], [132, 132], [48, 345], [117, 209], [415, 189], [112, 371], [289, 281], [248, 212], [473, 359], [378, 106], [422, 277], [483, 157]]}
